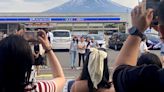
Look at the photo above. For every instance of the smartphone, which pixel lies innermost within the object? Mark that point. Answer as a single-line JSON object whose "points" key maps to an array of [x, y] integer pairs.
{"points": [[153, 4], [31, 36]]}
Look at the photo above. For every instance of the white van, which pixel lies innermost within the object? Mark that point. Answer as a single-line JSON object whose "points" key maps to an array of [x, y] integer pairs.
{"points": [[61, 39]]}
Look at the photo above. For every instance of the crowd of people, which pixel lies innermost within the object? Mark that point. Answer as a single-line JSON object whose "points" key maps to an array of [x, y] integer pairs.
{"points": [[81, 47], [132, 73]]}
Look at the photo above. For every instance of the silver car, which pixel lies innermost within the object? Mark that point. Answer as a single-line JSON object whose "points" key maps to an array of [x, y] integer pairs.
{"points": [[99, 39]]}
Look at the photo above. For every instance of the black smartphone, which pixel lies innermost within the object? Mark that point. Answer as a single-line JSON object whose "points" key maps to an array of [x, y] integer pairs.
{"points": [[153, 4]]}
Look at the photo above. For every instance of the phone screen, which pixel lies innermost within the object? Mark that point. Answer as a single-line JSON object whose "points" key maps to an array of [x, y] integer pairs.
{"points": [[31, 36], [153, 4]]}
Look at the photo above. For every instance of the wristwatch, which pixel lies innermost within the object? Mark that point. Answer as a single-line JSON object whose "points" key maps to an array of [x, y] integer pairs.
{"points": [[136, 32], [48, 49]]}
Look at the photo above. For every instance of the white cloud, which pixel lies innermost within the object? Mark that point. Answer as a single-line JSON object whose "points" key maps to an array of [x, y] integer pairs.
{"points": [[28, 5], [128, 3], [18, 0]]}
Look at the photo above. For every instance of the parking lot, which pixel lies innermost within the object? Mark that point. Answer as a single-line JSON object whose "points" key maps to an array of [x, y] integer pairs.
{"points": [[71, 74], [64, 58]]}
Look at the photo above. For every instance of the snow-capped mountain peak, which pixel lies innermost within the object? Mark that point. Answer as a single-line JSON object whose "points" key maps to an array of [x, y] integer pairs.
{"points": [[89, 6]]}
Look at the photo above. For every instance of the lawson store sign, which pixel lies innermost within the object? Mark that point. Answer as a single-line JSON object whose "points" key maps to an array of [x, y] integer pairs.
{"points": [[58, 19]]}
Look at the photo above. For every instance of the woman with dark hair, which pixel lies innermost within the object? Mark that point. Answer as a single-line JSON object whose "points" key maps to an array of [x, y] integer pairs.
{"points": [[95, 74], [81, 50], [73, 51], [16, 61], [148, 59]]}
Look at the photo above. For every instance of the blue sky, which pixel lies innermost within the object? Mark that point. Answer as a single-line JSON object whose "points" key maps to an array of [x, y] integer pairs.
{"points": [[42, 5]]}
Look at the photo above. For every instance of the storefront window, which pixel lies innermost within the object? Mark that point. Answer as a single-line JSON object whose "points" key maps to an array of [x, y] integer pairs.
{"points": [[93, 31], [12, 28], [3, 28]]}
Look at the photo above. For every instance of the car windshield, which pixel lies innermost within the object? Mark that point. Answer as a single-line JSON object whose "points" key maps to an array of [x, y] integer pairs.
{"points": [[61, 34], [97, 37]]}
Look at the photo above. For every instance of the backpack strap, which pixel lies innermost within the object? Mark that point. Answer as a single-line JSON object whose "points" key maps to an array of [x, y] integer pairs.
{"points": [[88, 44]]}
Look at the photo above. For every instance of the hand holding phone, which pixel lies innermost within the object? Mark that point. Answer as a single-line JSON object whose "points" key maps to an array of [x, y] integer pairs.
{"points": [[43, 39], [31, 36]]}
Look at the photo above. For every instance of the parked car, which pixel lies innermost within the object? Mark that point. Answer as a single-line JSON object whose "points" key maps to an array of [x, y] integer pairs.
{"points": [[152, 40], [99, 39], [117, 40], [61, 39]]}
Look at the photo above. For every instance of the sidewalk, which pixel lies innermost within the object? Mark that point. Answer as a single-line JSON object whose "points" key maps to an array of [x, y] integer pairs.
{"points": [[46, 74]]}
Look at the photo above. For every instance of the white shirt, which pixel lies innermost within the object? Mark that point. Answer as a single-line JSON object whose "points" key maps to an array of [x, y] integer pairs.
{"points": [[49, 34], [143, 47], [94, 44], [82, 45]]}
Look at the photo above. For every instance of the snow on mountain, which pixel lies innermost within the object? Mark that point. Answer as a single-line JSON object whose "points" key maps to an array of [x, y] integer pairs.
{"points": [[89, 6]]}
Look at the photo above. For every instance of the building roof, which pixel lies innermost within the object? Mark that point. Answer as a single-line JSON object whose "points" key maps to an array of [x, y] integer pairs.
{"points": [[61, 14], [89, 6]]}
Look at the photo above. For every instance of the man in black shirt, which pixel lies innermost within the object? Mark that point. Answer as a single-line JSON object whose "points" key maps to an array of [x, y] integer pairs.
{"points": [[127, 76]]}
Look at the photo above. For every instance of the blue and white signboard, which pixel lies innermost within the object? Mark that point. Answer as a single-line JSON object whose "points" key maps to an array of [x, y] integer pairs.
{"points": [[58, 19]]}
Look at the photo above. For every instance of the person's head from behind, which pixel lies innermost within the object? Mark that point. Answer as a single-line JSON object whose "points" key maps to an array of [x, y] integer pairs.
{"points": [[15, 63], [45, 29], [148, 59], [20, 29], [92, 65]]}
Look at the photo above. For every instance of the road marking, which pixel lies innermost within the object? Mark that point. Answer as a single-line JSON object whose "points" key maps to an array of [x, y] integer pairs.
{"points": [[69, 68], [44, 75], [51, 76]]}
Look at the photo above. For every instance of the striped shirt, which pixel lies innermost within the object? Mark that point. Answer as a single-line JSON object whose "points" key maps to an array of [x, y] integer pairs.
{"points": [[44, 86]]}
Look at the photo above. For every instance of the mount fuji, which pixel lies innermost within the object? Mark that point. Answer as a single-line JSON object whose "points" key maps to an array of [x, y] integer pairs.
{"points": [[89, 6]]}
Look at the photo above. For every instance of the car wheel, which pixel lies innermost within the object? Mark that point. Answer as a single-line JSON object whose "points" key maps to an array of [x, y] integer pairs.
{"points": [[115, 47]]}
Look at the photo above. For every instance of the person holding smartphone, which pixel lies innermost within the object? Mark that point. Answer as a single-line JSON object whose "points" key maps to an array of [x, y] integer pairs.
{"points": [[127, 76], [16, 61]]}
